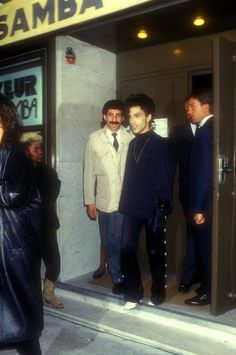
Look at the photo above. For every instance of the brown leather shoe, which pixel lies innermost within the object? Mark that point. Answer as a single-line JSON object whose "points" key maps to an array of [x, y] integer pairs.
{"points": [[98, 273], [49, 295]]}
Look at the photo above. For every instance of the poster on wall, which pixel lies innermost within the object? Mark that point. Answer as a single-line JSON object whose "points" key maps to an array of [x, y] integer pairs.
{"points": [[160, 126], [25, 88]]}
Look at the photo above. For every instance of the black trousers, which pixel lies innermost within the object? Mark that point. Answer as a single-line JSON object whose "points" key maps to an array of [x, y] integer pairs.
{"points": [[27, 347], [51, 255], [202, 234], [156, 250], [191, 270], [30, 347]]}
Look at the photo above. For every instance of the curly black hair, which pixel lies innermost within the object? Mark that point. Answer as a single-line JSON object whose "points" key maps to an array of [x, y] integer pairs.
{"points": [[9, 121], [113, 105], [142, 100]]}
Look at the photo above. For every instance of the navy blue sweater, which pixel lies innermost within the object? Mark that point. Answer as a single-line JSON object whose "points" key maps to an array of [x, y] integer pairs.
{"points": [[148, 175]]}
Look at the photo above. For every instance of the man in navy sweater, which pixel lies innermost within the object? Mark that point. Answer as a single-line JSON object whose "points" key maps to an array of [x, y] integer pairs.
{"points": [[145, 201], [201, 188]]}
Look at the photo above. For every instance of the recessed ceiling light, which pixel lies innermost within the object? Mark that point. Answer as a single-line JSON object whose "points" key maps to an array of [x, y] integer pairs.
{"points": [[199, 21], [142, 34], [177, 51]]}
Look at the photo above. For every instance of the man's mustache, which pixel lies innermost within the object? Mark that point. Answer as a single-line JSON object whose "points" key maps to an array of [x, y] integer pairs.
{"points": [[114, 122]]}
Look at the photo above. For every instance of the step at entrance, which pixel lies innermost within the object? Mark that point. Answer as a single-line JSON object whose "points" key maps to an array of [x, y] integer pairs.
{"points": [[153, 326]]}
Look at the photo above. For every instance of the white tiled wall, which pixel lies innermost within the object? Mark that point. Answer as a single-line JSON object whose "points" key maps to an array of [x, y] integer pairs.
{"points": [[81, 90]]}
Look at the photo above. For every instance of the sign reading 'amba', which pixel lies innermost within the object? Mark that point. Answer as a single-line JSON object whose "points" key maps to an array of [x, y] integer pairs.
{"points": [[23, 19]]}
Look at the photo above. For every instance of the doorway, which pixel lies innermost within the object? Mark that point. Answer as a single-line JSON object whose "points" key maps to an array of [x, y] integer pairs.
{"points": [[168, 83], [81, 246]]}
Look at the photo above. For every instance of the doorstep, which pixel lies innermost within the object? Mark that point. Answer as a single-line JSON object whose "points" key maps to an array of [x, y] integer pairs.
{"points": [[161, 328]]}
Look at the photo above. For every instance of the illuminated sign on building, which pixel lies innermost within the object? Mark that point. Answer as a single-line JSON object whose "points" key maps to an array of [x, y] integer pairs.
{"points": [[23, 19], [24, 88]]}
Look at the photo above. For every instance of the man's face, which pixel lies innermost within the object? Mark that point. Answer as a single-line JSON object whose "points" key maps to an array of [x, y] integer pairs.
{"points": [[113, 119], [197, 111], [139, 120], [35, 151]]}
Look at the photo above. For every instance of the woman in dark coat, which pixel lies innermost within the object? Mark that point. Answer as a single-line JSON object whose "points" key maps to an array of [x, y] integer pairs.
{"points": [[21, 306], [49, 188]]}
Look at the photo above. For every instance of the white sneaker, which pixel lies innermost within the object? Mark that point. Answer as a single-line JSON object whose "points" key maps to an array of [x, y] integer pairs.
{"points": [[130, 305], [150, 303]]}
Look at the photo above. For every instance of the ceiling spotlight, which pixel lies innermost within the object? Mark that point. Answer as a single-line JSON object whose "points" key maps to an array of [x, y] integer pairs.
{"points": [[142, 34], [199, 21], [177, 51]]}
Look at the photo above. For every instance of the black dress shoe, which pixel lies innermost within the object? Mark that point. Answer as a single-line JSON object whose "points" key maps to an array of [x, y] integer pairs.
{"points": [[158, 298], [198, 290], [184, 288], [201, 299], [118, 289], [98, 273]]}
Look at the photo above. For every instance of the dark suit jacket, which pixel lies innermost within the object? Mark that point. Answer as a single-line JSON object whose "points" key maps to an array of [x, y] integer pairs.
{"points": [[181, 140], [148, 175], [49, 188], [201, 170]]}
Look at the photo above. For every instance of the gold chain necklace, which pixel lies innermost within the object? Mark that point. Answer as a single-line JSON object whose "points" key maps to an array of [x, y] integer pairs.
{"points": [[137, 158]]}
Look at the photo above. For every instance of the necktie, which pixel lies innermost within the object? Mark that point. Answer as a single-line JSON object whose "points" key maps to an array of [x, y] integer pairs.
{"points": [[115, 143], [197, 128]]}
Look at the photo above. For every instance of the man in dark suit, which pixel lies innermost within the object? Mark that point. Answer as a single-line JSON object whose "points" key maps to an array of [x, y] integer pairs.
{"points": [[145, 201], [181, 140], [201, 188]]}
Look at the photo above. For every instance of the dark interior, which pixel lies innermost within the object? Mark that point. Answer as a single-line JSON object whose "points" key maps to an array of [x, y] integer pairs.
{"points": [[167, 21]]}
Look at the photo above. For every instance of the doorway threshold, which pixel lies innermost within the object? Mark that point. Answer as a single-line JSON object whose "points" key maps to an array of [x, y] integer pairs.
{"points": [[100, 290]]}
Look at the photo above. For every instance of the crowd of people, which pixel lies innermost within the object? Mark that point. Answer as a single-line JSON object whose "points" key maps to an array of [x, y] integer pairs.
{"points": [[128, 180], [128, 183]]}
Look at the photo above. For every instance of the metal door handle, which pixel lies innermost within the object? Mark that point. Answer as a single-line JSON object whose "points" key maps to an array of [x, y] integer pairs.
{"points": [[227, 169], [223, 168]]}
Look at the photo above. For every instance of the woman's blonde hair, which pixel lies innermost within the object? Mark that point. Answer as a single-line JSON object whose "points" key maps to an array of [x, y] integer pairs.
{"points": [[31, 137]]}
